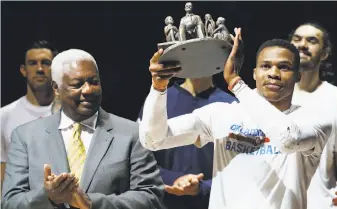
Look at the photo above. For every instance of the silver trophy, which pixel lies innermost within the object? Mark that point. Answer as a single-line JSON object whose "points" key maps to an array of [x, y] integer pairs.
{"points": [[202, 49]]}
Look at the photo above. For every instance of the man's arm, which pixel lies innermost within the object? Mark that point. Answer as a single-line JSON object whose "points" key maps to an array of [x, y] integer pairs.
{"points": [[169, 176], [205, 187], [292, 133], [156, 132], [146, 187], [16, 190]]}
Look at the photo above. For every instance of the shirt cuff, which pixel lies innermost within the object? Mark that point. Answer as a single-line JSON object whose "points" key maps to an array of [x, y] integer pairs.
{"points": [[205, 187], [155, 92]]}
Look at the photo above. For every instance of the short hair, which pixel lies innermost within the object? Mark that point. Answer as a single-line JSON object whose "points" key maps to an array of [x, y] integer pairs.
{"points": [[282, 44], [41, 44], [62, 63], [327, 45]]}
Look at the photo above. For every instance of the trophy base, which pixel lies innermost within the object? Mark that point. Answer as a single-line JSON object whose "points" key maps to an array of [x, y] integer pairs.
{"points": [[202, 57]]}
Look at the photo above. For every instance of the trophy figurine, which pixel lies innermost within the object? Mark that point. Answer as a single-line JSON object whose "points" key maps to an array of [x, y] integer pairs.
{"points": [[171, 31], [202, 49], [209, 25]]}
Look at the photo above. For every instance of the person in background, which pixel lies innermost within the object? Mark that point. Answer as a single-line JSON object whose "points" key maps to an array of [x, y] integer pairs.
{"points": [[314, 45], [180, 164], [39, 97], [313, 42]]}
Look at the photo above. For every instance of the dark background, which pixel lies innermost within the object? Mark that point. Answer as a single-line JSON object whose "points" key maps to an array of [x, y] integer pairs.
{"points": [[122, 36]]}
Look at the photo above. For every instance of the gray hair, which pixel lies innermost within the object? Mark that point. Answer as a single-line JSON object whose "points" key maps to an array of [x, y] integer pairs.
{"points": [[66, 60]]}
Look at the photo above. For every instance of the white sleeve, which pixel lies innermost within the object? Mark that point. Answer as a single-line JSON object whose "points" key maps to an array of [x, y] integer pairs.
{"points": [[302, 130], [156, 132]]}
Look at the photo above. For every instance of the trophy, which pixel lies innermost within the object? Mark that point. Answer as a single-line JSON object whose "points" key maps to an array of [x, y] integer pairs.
{"points": [[201, 48]]}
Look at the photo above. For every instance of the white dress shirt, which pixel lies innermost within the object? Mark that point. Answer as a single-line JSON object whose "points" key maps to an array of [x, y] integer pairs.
{"points": [[88, 129]]}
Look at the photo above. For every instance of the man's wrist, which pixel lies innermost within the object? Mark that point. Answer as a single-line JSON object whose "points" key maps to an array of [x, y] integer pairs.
{"points": [[55, 205], [232, 82], [238, 87], [159, 86], [89, 200]]}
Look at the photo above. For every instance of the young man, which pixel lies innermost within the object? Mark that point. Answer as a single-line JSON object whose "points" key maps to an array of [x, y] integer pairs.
{"points": [[261, 160], [39, 97], [313, 42], [314, 45], [182, 163], [323, 188]]}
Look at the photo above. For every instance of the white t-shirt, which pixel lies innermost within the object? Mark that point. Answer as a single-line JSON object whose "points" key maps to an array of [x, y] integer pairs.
{"points": [[303, 98], [269, 169], [15, 114], [323, 184]]}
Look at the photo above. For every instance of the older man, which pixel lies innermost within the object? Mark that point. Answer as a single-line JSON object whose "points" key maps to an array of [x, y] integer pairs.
{"points": [[109, 167]]}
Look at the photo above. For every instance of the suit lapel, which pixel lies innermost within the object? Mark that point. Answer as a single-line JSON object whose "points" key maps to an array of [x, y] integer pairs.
{"points": [[99, 145], [55, 145]]}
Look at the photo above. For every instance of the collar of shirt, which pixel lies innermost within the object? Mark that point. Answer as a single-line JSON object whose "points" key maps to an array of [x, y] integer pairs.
{"points": [[291, 108], [66, 122], [204, 94]]}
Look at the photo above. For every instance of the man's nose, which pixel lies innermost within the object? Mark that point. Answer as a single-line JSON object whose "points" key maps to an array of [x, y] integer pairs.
{"points": [[87, 88], [303, 44], [39, 68], [274, 73]]}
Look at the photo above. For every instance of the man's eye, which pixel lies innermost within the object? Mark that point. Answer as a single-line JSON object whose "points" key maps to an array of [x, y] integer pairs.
{"points": [[313, 41], [46, 62], [76, 85], [95, 82], [284, 67], [296, 38], [265, 66], [32, 62]]}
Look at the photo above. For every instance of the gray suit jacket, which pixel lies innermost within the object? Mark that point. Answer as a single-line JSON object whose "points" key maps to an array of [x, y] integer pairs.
{"points": [[118, 172]]}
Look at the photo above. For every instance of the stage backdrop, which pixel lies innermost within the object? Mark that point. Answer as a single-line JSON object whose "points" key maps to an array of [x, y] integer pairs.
{"points": [[122, 36]]}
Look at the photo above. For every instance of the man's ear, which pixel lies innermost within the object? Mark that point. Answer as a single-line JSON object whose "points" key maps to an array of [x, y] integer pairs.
{"points": [[254, 74], [325, 54], [55, 89], [23, 71]]}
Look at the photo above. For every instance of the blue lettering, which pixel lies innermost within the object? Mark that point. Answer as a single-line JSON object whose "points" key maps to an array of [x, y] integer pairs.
{"points": [[254, 132], [269, 150], [252, 150], [262, 150], [234, 127], [275, 151], [260, 133]]}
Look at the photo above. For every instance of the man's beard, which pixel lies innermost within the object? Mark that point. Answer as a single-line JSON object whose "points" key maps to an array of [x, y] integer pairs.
{"points": [[310, 65]]}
